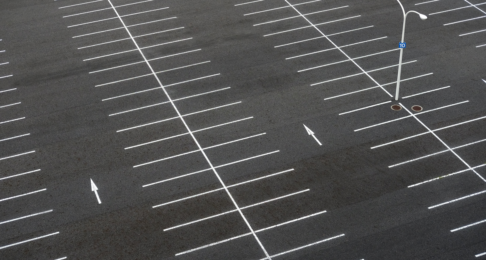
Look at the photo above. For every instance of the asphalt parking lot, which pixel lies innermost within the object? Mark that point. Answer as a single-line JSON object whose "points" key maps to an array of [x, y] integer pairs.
{"points": [[242, 129]]}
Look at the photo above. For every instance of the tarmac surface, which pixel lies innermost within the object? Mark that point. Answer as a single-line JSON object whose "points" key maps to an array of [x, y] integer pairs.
{"points": [[242, 129]]}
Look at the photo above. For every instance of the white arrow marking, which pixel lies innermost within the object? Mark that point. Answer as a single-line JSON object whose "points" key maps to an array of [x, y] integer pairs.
{"points": [[312, 134], [95, 190]]}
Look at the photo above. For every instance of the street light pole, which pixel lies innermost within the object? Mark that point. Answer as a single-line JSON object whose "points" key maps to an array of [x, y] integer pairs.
{"points": [[423, 17]]}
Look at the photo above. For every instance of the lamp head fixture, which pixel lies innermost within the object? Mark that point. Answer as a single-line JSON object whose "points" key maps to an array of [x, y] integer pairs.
{"points": [[423, 16]]}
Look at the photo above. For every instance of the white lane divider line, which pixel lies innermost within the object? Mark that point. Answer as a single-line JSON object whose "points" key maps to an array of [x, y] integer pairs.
{"points": [[16, 155], [374, 87], [278, 8], [133, 50], [109, 8], [440, 140], [436, 153], [410, 116], [342, 61], [111, 18], [302, 247], [216, 174], [140, 62], [85, 3], [119, 28], [444, 176], [334, 48], [208, 169], [458, 199], [19, 174], [247, 234], [234, 210], [22, 195], [297, 16], [24, 217], [29, 240], [424, 133], [364, 73], [468, 226], [184, 134], [195, 151], [310, 26], [220, 189]]}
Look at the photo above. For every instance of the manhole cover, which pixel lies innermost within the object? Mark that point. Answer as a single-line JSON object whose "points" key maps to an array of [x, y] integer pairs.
{"points": [[417, 108], [396, 107]]}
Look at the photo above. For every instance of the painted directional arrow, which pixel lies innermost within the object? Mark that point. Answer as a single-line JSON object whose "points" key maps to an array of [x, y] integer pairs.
{"points": [[312, 134], [95, 190]]}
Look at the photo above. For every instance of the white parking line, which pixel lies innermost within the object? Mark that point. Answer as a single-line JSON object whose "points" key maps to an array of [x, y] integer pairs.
{"points": [[111, 18], [475, 6], [297, 16], [62, 258], [425, 92], [5, 63], [386, 84], [480, 45], [14, 137], [466, 20], [409, 116], [140, 62], [278, 8], [479, 255], [342, 61], [183, 134], [424, 133], [80, 4], [28, 240], [235, 210], [8, 90], [125, 39], [184, 115], [103, 9], [310, 26], [440, 140], [247, 234], [302, 247], [19, 174], [359, 109], [427, 2], [455, 9], [251, 2], [220, 189], [22, 195], [458, 199], [362, 73], [166, 102], [9, 105], [209, 169], [469, 33], [7, 76], [191, 80], [467, 226], [436, 153], [334, 48], [24, 217], [119, 28], [445, 176], [16, 155], [142, 48]]}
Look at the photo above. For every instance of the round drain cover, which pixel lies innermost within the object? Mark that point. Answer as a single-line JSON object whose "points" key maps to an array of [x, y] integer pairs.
{"points": [[396, 107], [417, 108]]}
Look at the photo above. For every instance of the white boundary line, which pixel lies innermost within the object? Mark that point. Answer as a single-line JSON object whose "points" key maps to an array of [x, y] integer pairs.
{"points": [[359, 109], [310, 26], [466, 20], [297, 16], [19, 174], [455, 9], [108, 8], [9, 105], [8, 90], [24, 217], [427, 2], [458, 199], [67, 6], [16, 155], [444, 176], [8, 76], [302, 247], [481, 254], [22, 195], [464, 34], [28, 240], [282, 7], [14, 137], [251, 2], [467, 226], [12, 120], [425, 92], [193, 137], [111, 18]]}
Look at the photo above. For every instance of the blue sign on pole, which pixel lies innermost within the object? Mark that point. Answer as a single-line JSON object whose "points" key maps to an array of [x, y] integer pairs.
{"points": [[402, 45]]}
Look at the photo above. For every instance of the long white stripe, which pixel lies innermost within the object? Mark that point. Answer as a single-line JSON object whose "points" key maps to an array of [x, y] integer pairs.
{"points": [[111, 18], [234, 210], [466, 20], [103, 9], [458, 199], [28, 240], [251, 2], [278, 8], [469, 33], [19, 174], [363, 108], [479, 255], [302, 247], [12, 120], [310, 26], [8, 90], [24, 217], [14, 137], [191, 80], [22, 195], [193, 137], [16, 155], [467, 226], [425, 92], [9, 105], [247, 234], [455, 9], [444, 176], [297, 16], [7, 76], [80, 4]]}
